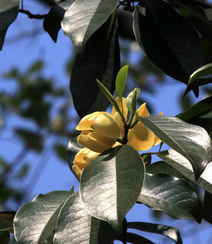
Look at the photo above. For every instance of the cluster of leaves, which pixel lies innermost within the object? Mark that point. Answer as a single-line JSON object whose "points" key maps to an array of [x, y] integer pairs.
{"points": [[172, 34]]}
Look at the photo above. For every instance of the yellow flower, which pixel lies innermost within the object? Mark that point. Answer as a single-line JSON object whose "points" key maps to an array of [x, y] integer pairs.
{"points": [[139, 136], [82, 159], [100, 130]]}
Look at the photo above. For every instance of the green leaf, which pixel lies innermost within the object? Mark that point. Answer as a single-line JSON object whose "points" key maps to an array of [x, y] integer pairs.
{"points": [[207, 211], [8, 14], [60, 151], [182, 165], [6, 220], [162, 167], [178, 44], [196, 110], [75, 225], [73, 148], [4, 237], [203, 71], [81, 20], [192, 141], [121, 81], [36, 220], [52, 21], [111, 183], [131, 99], [165, 230], [171, 195], [101, 61]]}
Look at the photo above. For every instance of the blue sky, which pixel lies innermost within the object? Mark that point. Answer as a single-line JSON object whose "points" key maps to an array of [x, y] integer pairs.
{"points": [[56, 175]]}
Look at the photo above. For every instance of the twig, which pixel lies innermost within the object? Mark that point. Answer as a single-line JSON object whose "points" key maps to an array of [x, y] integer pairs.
{"points": [[32, 16]]}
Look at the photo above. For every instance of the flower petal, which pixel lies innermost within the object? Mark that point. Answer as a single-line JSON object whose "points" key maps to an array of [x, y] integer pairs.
{"points": [[105, 125], [140, 138], [77, 171], [96, 142], [143, 111], [86, 123]]}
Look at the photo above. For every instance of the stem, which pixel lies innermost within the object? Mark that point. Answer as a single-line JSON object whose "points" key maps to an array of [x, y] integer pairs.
{"points": [[32, 16]]}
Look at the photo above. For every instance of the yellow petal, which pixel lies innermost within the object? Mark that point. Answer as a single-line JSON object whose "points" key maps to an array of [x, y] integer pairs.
{"points": [[143, 111], [86, 123], [140, 138], [80, 159], [104, 124], [96, 142], [125, 109], [77, 171]]}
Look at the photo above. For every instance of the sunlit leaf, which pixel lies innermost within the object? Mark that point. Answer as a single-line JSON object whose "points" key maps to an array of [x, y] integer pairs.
{"points": [[76, 226], [42, 213], [101, 61], [111, 183], [171, 195], [133, 95], [81, 20], [181, 164], [192, 141], [8, 14], [121, 80], [165, 230]]}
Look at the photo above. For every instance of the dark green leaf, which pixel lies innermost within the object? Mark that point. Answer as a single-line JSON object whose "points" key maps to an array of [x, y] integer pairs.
{"points": [[111, 183], [182, 165], [196, 110], [6, 220], [192, 141], [133, 238], [73, 148], [207, 210], [101, 61], [171, 195], [121, 81], [165, 230], [76, 226], [36, 220], [81, 20], [162, 167], [4, 237], [8, 14], [178, 44], [52, 21], [201, 72]]}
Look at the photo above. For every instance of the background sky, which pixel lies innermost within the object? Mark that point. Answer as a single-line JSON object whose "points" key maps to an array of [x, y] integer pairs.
{"points": [[54, 174]]}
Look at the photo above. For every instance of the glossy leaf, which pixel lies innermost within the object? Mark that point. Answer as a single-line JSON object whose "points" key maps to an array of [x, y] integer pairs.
{"points": [[4, 237], [164, 168], [41, 213], [181, 164], [52, 21], [75, 225], [131, 99], [157, 20], [73, 148], [111, 183], [121, 80], [81, 20], [203, 71], [191, 141], [165, 230], [171, 195], [8, 14], [101, 61]]}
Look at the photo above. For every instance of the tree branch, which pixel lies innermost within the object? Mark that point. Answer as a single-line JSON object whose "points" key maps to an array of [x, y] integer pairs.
{"points": [[32, 16]]}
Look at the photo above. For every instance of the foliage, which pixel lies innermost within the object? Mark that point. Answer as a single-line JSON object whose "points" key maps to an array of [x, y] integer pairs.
{"points": [[172, 35]]}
